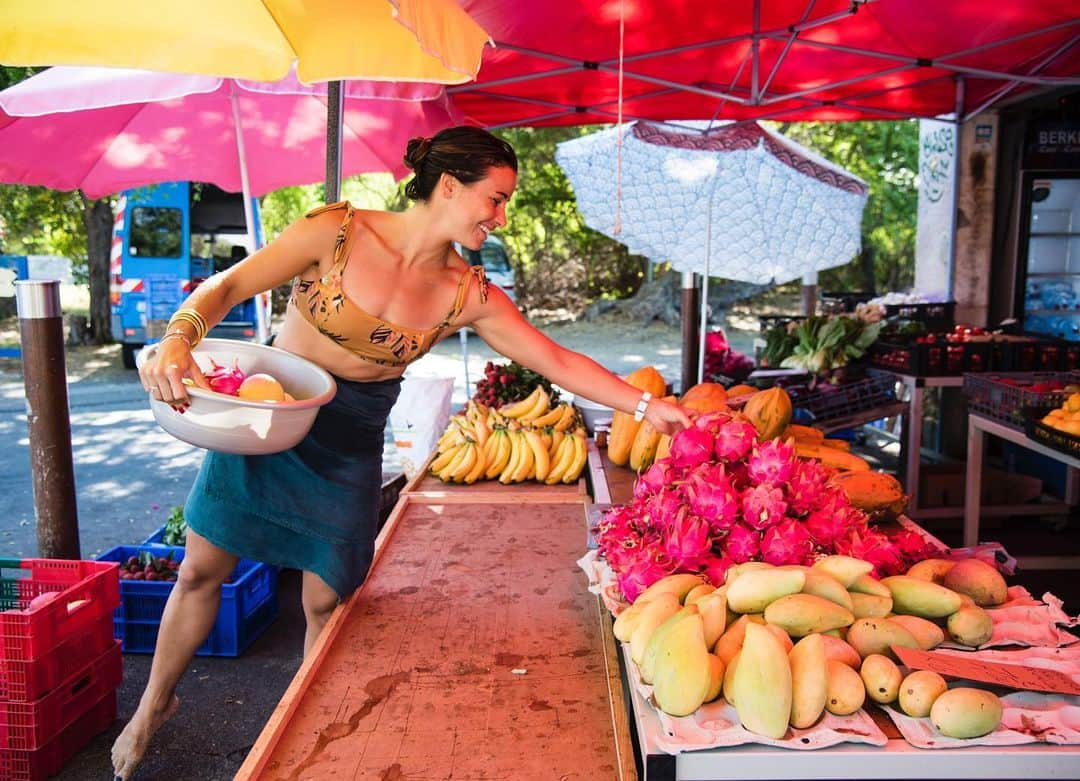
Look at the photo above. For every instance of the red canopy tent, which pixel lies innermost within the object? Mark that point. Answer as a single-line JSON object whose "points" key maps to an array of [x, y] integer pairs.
{"points": [[557, 62]]}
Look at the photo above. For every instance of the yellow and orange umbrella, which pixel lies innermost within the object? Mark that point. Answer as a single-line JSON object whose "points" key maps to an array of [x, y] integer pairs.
{"points": [[391, 40]]}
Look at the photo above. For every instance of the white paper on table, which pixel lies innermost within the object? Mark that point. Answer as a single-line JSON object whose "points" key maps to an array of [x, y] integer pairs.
{"points": [[1025, 621], [1028, 717]]}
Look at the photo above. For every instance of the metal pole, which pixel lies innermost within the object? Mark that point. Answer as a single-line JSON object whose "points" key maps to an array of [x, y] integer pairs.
{"points": [[689, 331], [957, 176], [262, 313], [809, 293], [47, 419], [335, 108], [464, 338]]}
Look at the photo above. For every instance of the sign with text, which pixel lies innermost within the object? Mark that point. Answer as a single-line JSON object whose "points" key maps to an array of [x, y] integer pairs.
{"points": [[1052, 145], [1014, 676]]}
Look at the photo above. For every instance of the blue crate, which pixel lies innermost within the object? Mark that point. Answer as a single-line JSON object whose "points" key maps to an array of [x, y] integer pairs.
{"points": [[156, 538], [248, 605]]}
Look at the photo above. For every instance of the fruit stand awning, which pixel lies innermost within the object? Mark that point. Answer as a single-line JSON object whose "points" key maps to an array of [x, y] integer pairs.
{"points": [[558, 62]]}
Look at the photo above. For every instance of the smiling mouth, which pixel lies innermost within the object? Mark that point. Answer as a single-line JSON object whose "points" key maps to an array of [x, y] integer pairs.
{"points": [[485, 229]]}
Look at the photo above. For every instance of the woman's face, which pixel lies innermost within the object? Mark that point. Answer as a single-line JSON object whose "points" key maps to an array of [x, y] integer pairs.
{"points": [[480, 207]]}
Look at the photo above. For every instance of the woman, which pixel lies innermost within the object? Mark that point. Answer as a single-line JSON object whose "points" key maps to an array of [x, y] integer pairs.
{"points": [[367, 287]]}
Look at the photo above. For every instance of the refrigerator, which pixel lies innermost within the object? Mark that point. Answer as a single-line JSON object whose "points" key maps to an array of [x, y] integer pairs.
{"points": [[1049, 246]]}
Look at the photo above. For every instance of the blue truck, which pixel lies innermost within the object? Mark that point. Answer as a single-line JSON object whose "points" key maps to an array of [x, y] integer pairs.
{"points": [[167, 239]]}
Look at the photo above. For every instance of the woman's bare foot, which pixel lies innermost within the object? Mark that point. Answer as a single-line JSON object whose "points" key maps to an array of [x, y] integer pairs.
{"points": [[128, 750]]}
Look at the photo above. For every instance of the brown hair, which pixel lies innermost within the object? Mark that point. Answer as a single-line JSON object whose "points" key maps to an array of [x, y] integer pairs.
{"points": [[464, 152]]}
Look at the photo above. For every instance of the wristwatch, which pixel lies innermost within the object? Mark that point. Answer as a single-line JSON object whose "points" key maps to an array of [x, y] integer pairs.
{"points": [[642, 405]]}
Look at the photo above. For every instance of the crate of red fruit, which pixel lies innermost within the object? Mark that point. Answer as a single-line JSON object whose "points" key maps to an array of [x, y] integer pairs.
{"points": [[1026, 354], [147, 573], [1006, 396], [936, 315], [1055, 434], [964, 349]]}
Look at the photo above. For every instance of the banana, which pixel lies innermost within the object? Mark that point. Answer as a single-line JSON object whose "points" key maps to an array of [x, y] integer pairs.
{"points": [[545, 439], [444, 458], [563, 457], [478, 416], [450, 438], [542, 405], [516, 447], [497, 463], [478, 468], [527, 463], [467, 463], [556, 439], [541, 460], [450, 468], [518, 408], [567, 418], [489, 448], [551, 417], [581, 453]]}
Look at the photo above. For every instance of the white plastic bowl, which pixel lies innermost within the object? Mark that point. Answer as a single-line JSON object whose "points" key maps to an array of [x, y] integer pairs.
{"points": [[229, 424], [592, 413]]}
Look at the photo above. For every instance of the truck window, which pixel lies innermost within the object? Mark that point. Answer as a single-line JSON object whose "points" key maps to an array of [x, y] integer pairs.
{"points": [[155, 232]]}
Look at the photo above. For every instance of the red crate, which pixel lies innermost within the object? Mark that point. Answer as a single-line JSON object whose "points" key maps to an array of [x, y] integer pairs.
{"points": [[87, 590], [24, 680], [30, 725], [39, 764]]}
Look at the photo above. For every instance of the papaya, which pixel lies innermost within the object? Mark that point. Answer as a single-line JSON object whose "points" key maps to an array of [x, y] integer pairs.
{"points": [[807, 433], [769, 411], [741, 390], [623, 426], [663, 447], [705, 397], [871, 491], [830, 456], [643, 449], [837, 444]]}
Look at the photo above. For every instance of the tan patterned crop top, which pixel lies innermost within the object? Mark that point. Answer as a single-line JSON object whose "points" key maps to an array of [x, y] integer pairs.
{"points": [[323, 303]]}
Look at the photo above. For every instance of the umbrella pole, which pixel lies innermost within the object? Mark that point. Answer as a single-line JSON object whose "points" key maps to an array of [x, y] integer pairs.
{"points": [[689, 330], [335, 107], [262, 320]]}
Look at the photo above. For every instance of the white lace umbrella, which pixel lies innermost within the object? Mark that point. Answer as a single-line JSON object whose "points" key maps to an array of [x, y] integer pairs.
{"points": [[738, 202]]}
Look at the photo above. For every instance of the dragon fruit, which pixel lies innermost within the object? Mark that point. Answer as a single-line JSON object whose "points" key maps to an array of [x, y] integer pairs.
{"points": [[833, 519], [687, 540], [772, 462], [763, 506], [638, 575], [741, 543], [874, 547], [806, 486], [712, 421], [660, 509], [913, 546], [715, 568], [223, 380], [690, 447], [653, 479], [787, 542], [734, 440], [709, 495]]}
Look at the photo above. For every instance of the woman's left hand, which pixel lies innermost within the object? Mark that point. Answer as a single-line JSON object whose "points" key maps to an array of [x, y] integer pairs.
{"points": [[665, 417]]}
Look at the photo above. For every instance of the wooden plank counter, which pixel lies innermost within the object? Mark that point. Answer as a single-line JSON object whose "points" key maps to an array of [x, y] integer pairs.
{"points": [[473, 651]]}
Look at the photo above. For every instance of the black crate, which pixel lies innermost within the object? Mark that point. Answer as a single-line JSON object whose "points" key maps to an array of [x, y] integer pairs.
{"points": [[1005, 397], [938, 316], [768, 322], [938, 359], [829, 402], [1062, 441], [1027, 355], [845, 302]]}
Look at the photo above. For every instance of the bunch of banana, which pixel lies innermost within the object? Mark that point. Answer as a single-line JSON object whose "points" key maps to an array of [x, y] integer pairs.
{"points": [[462, 463], [569, 459], [528, 409]]}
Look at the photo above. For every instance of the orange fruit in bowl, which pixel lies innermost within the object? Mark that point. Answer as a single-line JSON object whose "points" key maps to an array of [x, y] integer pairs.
{"points": [[1071, 427], [261, 387]]}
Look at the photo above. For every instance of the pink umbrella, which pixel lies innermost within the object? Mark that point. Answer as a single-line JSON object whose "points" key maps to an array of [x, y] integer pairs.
{"points": [[106, 129]]}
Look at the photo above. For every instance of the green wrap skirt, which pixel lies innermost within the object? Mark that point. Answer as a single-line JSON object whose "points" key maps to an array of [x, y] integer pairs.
{"points": [[314, 507]]}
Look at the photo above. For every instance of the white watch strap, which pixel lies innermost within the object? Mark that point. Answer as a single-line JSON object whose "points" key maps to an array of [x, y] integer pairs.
{"points": [[642, 405]]}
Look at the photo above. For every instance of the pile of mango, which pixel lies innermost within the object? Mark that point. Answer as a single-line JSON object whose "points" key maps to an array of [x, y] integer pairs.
{"points": [[1066, 417], [783, 645], [525, 440]]}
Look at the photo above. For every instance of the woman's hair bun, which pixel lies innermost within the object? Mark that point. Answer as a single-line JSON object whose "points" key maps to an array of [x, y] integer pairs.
{"points": [[416, 151]]}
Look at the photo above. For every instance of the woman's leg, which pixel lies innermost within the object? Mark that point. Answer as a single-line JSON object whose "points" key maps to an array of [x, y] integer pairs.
{"points": [[188, 618], [319, 602]]}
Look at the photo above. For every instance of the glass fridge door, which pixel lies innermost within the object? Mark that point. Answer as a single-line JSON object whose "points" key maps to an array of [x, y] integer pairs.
{"points": [[1052, 285]]}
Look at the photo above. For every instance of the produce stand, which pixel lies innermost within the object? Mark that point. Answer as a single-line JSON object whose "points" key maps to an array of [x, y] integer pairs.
{"points": [[472, 651], [978, 427]]}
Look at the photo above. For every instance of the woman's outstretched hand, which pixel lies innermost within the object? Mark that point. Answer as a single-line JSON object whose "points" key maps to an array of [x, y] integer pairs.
{"points": [[665, 417], [163, 373]]}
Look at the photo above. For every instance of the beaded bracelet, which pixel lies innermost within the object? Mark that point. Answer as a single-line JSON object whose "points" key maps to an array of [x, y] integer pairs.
{"points": [[178, 335]]}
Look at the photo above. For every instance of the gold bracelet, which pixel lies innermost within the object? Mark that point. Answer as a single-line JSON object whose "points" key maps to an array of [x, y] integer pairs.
{"points": [[177, 335], [174, 326], [194, 319]]}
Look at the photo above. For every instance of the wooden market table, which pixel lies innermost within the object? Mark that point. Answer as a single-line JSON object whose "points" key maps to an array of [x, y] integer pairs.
{"points": [[978, 427]]}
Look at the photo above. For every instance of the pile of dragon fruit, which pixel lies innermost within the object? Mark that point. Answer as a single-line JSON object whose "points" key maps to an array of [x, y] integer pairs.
{"points": [[722, 498]]}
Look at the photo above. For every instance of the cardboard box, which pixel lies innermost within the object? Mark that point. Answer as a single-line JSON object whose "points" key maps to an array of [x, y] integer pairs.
{"points": [[943, 485]]}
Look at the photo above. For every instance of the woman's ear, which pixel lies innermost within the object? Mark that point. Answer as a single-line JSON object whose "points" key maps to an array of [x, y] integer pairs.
{"points": [[448, 185]]}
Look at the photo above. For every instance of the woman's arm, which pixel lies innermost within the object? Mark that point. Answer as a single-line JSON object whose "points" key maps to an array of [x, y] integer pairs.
{"points": [[300, 245], [502, 326]]}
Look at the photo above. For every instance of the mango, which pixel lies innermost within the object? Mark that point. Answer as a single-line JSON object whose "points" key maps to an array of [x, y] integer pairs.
{"points": [[809, 681], [647, 665], [979, 580], [653, 614], [933, 570], [926, 633], [966, 713], [840, 633], [697, 592], [713, 609], [753, 590], [846, 692], [846, 569], [841, 651], [782, 636], [680, 585], [881, 677], [731, 641], [762, 683], [870, 606], [733, 573], [877, 636], [868, 584], [716, 678], [729, 679], [683, 673], [625, 622], [922, 598], [970, 626], [919, 690], [827, 587], [802, 614]]}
